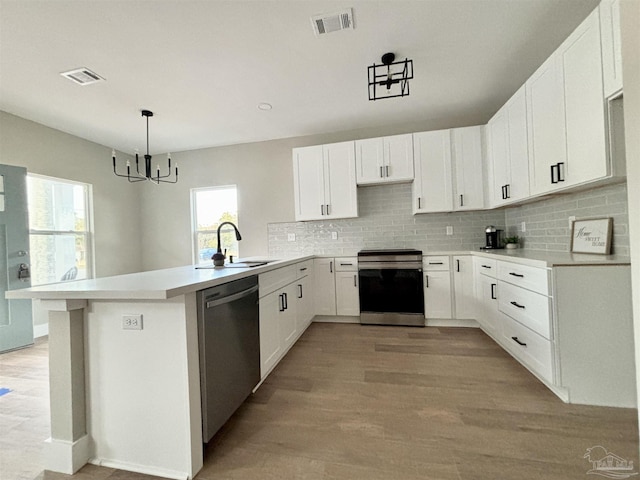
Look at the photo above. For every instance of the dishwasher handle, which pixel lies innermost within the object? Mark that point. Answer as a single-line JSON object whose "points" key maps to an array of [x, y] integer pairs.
{"points": [[232, 298]]}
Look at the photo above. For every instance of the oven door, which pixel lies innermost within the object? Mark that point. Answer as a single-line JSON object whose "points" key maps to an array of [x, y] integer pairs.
{"points": [[391, 289]]}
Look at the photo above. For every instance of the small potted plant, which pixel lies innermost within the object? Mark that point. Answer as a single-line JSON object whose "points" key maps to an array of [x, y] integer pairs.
{"points": [[511, 242]]}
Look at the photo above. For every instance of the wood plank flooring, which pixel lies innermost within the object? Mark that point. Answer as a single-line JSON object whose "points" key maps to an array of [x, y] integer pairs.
{"points": [[365, 402]]}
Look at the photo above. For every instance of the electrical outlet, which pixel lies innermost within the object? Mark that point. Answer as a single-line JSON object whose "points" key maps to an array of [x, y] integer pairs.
{"points": [[572, 219], [334, 235], [449, 230], [132, 322], [291, 237], [523, 227]]}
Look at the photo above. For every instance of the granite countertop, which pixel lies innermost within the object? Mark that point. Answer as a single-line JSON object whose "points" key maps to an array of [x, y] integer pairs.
{"points": [[152, 285]]}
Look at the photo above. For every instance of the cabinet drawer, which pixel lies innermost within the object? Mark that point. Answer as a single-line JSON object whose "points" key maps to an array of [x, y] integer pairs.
{"points": [[346, 264], [486, 266], [531, 278], [271, 281], [528, 347], [435, 263], [529, 308], [304, 268]]}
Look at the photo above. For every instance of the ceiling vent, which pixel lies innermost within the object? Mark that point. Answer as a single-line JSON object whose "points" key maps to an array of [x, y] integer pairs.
{"points": [[334, 22], [82, 76]]}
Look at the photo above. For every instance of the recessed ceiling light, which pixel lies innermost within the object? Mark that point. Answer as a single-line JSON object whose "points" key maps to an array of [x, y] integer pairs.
{"points": [[264, 106]]}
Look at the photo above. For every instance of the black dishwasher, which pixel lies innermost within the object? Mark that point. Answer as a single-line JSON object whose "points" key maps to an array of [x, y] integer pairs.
{"points": [[229, 336]]}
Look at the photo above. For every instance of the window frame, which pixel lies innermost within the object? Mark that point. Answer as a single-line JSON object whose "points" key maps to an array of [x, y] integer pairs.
{"points": [[88, 233], [195, 253]]}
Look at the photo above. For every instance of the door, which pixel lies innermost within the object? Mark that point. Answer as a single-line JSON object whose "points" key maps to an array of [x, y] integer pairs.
{"points": [[399, 157], [463, 286], [341, 197], [308, 176], [498, 135], [370, 161], [16, 324], [467, 153], [347, 301], [324, 286], [432, 188], [437, 295], [518, 185]]}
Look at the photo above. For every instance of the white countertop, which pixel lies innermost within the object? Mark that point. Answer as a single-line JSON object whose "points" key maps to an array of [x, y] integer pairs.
{"points": [[171, 282], [152, 285]]}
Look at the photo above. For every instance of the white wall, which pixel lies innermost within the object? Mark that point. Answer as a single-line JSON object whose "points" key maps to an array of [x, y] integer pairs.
{"points": [[263, 173], [630, 12]]}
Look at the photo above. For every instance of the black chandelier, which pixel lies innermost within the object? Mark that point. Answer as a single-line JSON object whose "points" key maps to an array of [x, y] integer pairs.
{"points": [[390, 79], [137, 176]]}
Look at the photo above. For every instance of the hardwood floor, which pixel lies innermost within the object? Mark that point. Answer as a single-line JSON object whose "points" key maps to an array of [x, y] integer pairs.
{"points": [[355, 402]]}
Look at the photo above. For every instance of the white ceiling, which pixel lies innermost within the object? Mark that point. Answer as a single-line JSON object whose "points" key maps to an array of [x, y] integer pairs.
{"points": [[203, 66]]}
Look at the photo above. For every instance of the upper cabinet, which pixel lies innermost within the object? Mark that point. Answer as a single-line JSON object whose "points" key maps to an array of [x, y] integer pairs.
{"points": [[325, 182], [384, 160], [432, 187], [467, 155], [508, 152], [566, 114], [611, 50]]}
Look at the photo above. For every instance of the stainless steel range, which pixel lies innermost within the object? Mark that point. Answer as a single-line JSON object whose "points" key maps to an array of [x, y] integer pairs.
{"points": [[390, 287]]}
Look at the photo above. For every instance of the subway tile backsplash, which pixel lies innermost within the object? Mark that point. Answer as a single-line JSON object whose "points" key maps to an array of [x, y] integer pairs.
{"points": [[386, 221]]}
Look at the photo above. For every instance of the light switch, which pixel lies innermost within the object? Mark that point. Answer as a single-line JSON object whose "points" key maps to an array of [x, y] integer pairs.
{"points": [[449, 230], [291, 237], [334, 235]]}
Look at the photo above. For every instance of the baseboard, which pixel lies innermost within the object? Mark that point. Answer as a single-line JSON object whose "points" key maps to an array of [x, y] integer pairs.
{"points": [[336, 319], [66, 457], [41, 330], [451, 322], [129, 467]]}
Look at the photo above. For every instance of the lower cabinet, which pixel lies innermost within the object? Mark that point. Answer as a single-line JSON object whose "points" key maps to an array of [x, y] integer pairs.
{"points": [[324, 286], [486, 295], [304, 307], [346, 280], [463, 288], [437, 295]]}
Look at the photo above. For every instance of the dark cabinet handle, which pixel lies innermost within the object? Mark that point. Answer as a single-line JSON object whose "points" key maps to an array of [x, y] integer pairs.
{"points": [[486, 266], [321, 209], [427, 280], [493, 291], [553, 177], [457, 265], [503, 192], [516, 275], [328, 210], [515, 339], [560, 170], [286, 302], [462, 200], [387, 170], [381, 175], [436, 263], [331, 267], [299, 291], [516, 304], [345, 264], [507, 189], [355, 280], [281, 302], [303, 269], [419, 203]]}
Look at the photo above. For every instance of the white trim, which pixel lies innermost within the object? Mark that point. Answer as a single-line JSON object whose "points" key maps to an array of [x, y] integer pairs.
{"points": [[451, 322], [41, 330], [336, 319], [66, 457], [144, 469]]}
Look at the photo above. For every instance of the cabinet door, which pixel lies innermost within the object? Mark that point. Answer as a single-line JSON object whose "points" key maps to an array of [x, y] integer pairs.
{"points": [[370, 161], [347, 298], [498, 153], [270, 345], [304, 308], [432, 188], [611, 46], [584, 105], [287, 322], [463, 287], [399, 158], [324, 286], [340, 180], [437, 295], [308, 182], [487, 298], [547, 136], [518, 147], [468, 160]]}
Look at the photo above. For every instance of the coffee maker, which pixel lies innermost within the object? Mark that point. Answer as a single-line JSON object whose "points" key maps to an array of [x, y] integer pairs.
{"points": [[493, 238]]}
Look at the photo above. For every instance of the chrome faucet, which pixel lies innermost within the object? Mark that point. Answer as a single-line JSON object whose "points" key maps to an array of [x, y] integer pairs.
{"points": [[218, 257]]}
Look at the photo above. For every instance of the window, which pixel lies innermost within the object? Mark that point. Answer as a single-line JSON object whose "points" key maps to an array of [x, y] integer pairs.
{"points": [[210, 207], [59, 230]]}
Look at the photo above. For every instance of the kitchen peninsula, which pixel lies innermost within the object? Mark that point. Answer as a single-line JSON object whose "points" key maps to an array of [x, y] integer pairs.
{"points": [[130, 399]]}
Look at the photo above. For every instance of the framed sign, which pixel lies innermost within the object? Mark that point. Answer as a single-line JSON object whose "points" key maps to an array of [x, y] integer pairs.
{"points": [[592, 235]]}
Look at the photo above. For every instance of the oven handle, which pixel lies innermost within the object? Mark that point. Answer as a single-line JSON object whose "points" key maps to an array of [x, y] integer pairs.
{"points": [[389, 266]]}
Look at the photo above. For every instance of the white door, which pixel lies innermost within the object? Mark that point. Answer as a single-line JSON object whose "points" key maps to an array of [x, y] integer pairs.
{"points": [[488, 316], [547, 136], [584, 105], [437, 295], [16, 323], [288, 320], [498, 152], [304, 308], [324, 286], [432, 188], [463, 290], [468, 161], [370, 161], [270, 344], [340, 180], [399, 157], [347, 298], [308, 183], [518, 147]]}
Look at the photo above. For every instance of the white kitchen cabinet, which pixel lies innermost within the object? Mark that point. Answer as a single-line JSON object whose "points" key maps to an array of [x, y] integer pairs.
{"points": [[324, 286], [288, 321], [325, 182], [304, 308], [463, 287], [384, 160], [437, 287], [486, 293], [432, 187], [271, 348], [508, 152], [468, 161], [347, 292], [611, 47]]}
